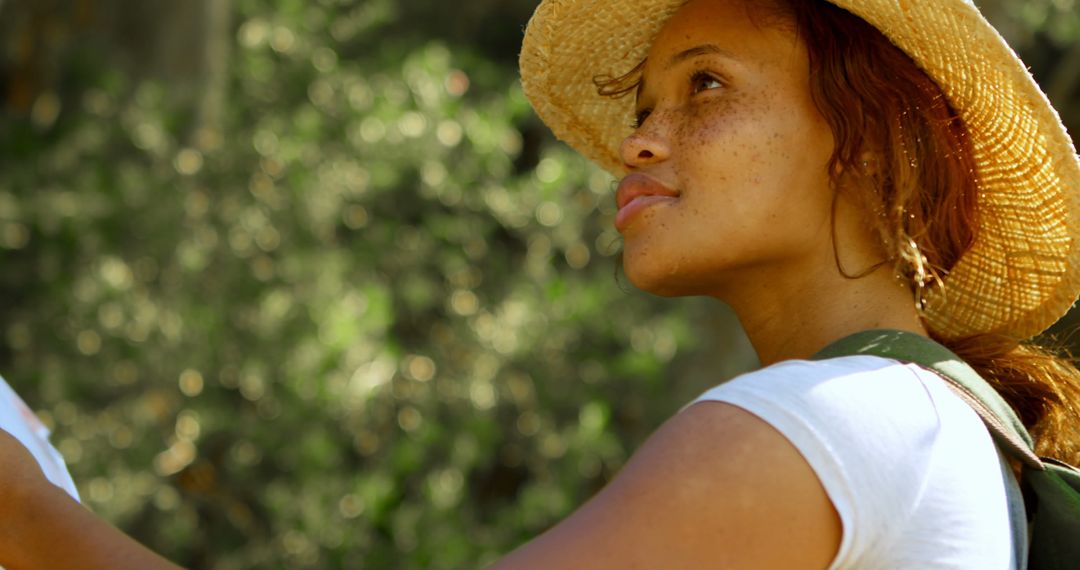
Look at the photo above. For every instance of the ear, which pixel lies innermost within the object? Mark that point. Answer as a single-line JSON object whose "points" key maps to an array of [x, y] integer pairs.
{"points": [[868, 163]]}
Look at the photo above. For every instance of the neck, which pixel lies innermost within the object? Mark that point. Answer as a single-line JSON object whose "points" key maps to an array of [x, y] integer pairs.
{"points": [[794, 320]]}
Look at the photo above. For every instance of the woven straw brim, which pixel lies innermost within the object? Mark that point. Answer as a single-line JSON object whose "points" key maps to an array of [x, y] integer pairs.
{"points": [[1021, 274]]}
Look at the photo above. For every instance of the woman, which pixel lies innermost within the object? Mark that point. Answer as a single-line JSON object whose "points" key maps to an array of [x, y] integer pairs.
{"points": [[787, 160], [825, 169]]}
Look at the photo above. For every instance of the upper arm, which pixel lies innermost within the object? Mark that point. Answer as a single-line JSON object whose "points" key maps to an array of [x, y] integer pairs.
{"points": [[715, 486]]}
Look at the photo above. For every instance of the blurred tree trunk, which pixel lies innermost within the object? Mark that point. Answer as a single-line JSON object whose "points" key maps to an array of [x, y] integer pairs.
{"points": [[33, 38], [217, 21], [185, 44]]}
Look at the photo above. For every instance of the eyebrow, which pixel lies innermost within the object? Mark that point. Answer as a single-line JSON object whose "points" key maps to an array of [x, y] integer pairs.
{"points": [[690, 53], [695, 51]]}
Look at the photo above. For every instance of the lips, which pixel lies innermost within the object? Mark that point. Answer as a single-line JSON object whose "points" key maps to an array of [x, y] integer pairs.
{"points": [[636, 193]]}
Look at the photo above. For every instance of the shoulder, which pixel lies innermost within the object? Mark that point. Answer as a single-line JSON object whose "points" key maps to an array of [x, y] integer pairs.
{"points": [[714, 486], [849, 391], [877, 434], [810, 372], [857, 419]]}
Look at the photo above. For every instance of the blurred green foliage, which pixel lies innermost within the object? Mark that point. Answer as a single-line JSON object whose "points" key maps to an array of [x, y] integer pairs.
{"points": [[365, 315], [356, 324]]}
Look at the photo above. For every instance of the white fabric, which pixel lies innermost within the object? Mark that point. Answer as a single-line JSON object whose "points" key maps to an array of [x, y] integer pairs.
{"points": [[912, 472], [17, 419]]}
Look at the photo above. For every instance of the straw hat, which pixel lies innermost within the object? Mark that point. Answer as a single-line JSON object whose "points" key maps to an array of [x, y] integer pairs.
{"points": [[1021, 274]]}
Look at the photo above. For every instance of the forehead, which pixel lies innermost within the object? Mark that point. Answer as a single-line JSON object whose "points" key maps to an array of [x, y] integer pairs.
{"points": [[739, 29]]}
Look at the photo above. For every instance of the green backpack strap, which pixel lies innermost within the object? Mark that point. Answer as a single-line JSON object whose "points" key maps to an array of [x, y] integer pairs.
{"points": [[1055, 540], [1055, 486]]}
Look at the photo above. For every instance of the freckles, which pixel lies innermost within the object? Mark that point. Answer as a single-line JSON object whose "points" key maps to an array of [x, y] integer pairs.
{"points": [[639, 250], [708, 121]]}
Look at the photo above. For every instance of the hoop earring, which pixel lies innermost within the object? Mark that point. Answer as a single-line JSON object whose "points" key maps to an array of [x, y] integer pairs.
{"points": [[836, 250]]}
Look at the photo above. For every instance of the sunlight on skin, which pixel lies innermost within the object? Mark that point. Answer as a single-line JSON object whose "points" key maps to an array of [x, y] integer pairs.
{"points": [[727, 122]]}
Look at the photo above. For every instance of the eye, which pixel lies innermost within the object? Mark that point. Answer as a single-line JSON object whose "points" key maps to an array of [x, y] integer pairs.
{"points": [[639, 118], [704, 81]]}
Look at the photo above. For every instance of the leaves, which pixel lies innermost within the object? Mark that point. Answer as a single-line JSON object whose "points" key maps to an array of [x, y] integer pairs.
{"points": [[350, 322], [364, 314]]}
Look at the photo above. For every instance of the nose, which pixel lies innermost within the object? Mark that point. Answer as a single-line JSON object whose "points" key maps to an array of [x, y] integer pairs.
{"points": [[644, 147]]}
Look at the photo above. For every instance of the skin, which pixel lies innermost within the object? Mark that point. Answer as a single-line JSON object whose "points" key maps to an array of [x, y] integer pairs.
{"points": [[733, 130], [742, 142], [43, 528]]}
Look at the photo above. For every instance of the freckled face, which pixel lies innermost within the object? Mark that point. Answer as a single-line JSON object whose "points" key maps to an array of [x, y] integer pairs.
{"points": [[726, 121]]}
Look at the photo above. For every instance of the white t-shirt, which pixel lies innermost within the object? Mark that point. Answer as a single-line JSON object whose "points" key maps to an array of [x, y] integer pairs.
{"points": [[910, 468], [17, 419]]}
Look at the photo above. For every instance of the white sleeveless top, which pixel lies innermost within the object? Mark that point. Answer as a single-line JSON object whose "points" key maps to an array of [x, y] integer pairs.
{"points": [[17, 419], [909, 467]]}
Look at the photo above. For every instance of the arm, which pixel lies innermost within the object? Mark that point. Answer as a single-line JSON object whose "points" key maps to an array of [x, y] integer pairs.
{"points": [[715, 486], [42, 527]]}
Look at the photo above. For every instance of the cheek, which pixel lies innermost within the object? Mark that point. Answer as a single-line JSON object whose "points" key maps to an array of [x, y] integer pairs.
{"points": [[735, 134], [736, 148], [755, 166], [713, 121]]}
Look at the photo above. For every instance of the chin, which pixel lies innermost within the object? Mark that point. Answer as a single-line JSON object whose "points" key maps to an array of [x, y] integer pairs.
{"points": [[663, 281]]}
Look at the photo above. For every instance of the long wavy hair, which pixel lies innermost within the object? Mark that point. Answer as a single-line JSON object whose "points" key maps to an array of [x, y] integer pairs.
{"points": [[919, 190], [923, 192]]}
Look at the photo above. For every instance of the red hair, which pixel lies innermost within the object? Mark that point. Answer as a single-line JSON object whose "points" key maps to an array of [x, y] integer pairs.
{"points": [[922, 189], [903, 154]]}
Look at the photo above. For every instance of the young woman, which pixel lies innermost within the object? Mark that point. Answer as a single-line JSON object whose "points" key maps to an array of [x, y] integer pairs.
{"points": [[825, 169]]}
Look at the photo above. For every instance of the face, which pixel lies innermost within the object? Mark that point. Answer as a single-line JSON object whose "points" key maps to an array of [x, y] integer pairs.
{"points": [[727, 179]]}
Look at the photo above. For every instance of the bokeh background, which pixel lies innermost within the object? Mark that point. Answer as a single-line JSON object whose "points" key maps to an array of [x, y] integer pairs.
{"points": [[305, 284]]}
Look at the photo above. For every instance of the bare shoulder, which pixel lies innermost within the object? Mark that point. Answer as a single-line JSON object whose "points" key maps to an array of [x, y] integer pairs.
{"points": [[715, 486]]}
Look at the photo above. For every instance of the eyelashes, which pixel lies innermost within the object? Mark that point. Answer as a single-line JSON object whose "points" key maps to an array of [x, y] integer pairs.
{"points": [[699, 81], [639, 118], [704, 81]]}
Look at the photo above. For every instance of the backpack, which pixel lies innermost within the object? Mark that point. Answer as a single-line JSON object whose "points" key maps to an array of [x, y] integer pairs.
{"points": [[1051, 488]]}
